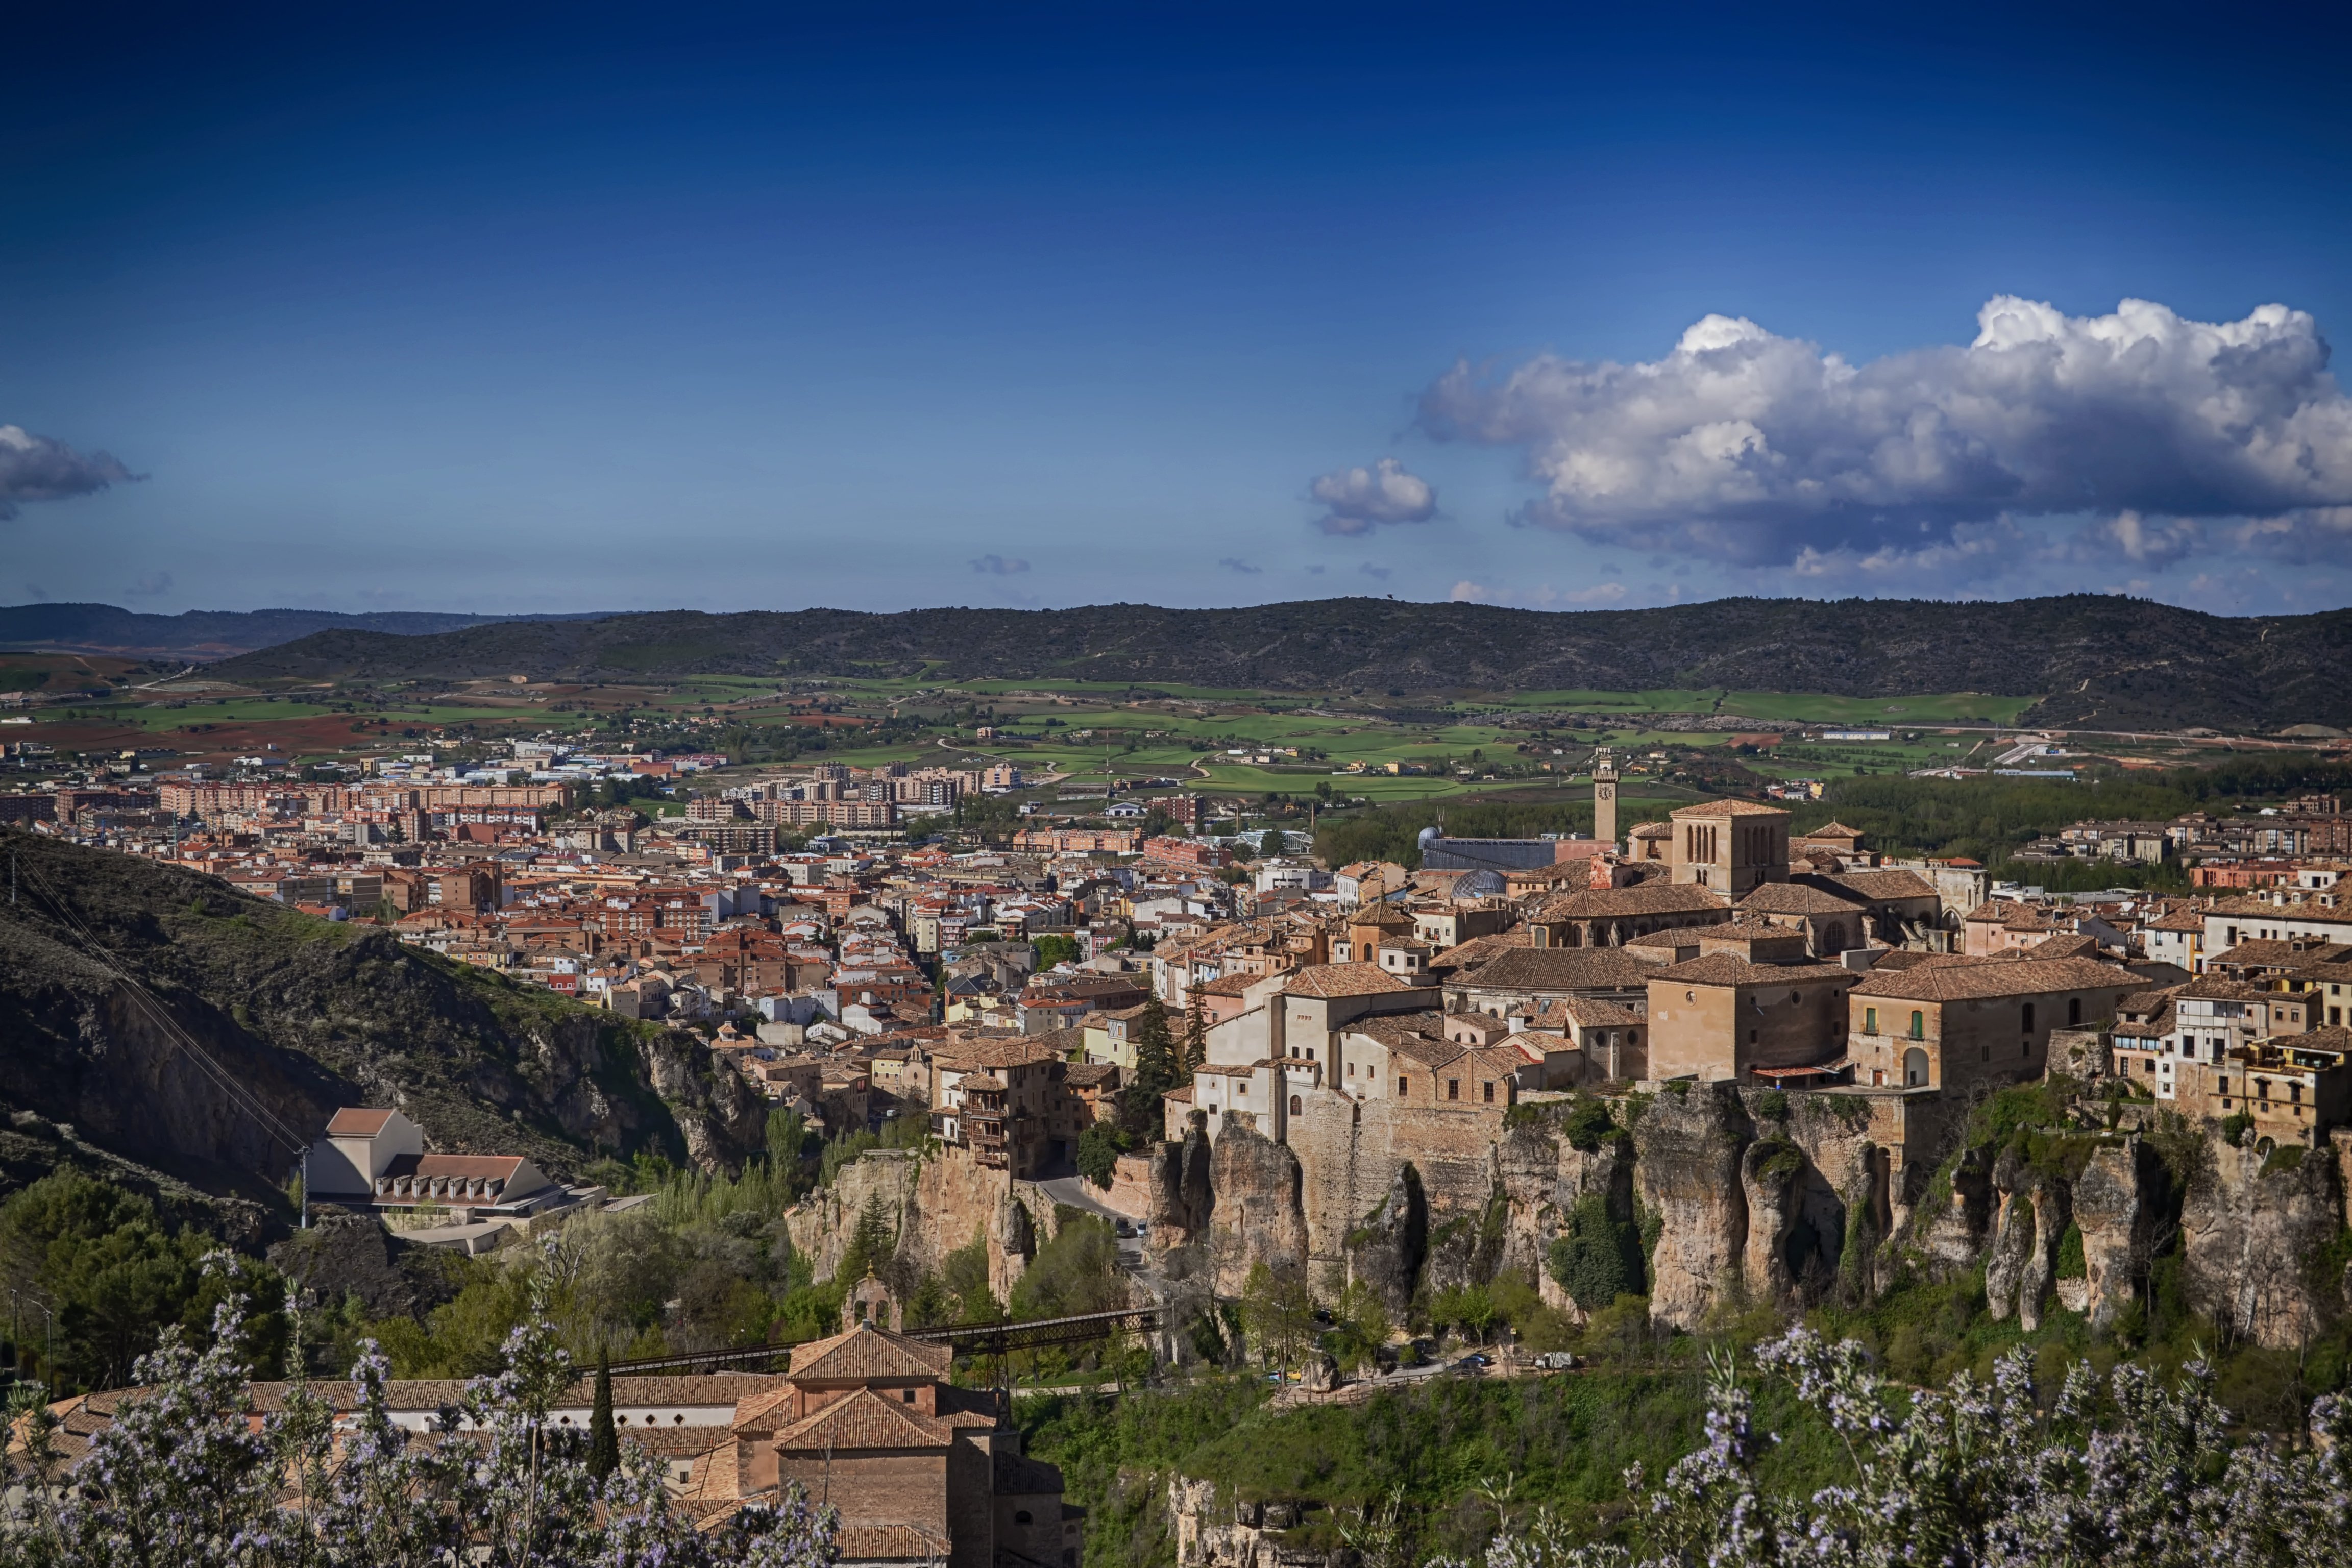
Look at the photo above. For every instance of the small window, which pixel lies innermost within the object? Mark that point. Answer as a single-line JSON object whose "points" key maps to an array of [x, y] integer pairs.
{"points": [[1293, 1105], [1919, 1025], [2029, 1017], [1489, 1087], [905, 1397], [1400, 1086], [1453, 1088], [1870, 1020], [1020, 1515]]}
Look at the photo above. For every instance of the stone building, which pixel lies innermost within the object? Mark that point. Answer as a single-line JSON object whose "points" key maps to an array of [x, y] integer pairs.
{"points": [[1608, 917], [1949, 1022], [919, 1470], [1717, 1017], [1730, 845]]}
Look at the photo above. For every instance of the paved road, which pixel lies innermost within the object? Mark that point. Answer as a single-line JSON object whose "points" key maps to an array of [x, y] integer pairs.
{"points": [[1079, 1193]]}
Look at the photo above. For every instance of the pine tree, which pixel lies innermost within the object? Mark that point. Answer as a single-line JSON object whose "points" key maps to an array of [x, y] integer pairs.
{"points": [[1155, 1051], [1195, 1055], [604, 1442]]}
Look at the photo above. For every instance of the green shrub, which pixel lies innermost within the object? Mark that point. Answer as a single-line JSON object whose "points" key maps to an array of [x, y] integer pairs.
{"points": [[1773, 1105], [2071, 1262], [1600, 1258], [1588, 1125], [2235, 1128]]}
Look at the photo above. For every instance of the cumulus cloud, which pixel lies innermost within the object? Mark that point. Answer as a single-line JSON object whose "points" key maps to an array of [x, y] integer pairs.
{"points": [[1235, 564], [1761, 449], [2145, 541], [1357, 500], [35, 467], [998, 566]]}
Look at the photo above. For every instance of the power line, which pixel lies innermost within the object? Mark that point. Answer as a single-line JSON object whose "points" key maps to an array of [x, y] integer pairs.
{"points": [[243, 1098]]}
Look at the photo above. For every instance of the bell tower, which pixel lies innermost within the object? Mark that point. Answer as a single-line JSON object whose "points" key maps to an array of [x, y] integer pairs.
{"points": [[1604, 797]]}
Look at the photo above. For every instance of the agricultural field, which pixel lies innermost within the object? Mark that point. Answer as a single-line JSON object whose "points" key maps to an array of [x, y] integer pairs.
{"points": [[1079, 734]]}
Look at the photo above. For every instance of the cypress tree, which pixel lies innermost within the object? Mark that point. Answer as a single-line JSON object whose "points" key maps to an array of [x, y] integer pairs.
{"points": [[604, 1442]]}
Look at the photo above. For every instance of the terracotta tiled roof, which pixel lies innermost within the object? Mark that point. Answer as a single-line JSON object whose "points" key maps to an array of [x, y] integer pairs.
{"points": [[1336, 979], [1722, 969], [867, 1352], [979, 1056], [865, 1420], [1591, 1013], [1797, 898], [1706, 808], [2065, 944], [1228, 985], [2253, 904], [1958, 979], [1542, 969], [1641, 898], [353, 1122], [1834, 830], [892, 1543], [1881, 887]]}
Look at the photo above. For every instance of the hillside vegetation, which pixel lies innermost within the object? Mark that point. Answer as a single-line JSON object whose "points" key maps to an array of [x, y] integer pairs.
{"points": [[305, 1015], [2094, 660]]}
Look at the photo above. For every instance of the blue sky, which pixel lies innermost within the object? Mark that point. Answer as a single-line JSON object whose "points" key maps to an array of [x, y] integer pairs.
{"points": [[572, 308]]}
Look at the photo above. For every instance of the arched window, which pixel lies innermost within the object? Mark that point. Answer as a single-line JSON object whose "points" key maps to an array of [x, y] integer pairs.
{"points": [[1293, 1105], [1021, 1516]]}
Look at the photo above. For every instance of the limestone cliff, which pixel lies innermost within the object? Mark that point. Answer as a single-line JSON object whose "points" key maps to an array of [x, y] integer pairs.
{"points": [[1258, 1217], [2253, 1230], [1686, 1153]]}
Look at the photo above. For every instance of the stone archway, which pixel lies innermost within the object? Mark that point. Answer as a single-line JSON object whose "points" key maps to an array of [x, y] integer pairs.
{"points": [[1915, 1068]]}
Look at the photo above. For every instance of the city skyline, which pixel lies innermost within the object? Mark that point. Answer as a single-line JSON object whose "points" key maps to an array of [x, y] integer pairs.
{"points": [[582, 311]]}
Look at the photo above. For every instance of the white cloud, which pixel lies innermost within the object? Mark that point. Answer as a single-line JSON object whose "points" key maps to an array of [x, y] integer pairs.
{"points": [[35, 467], [1357, 500], [1465, 592], [2143, 541], [998, 566], [1760, 450]]}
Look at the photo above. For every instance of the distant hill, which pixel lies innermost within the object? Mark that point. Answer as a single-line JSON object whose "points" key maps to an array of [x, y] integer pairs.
{"points": [[305, 1016], [202, 634], [2097, 661]]}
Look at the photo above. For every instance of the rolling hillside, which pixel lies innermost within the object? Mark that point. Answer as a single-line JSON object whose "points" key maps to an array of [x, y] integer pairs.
{"points": [[2095, 661]]}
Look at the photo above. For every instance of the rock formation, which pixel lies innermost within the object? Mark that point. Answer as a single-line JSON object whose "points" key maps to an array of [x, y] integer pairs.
{"points": [[1258, 1217], [1687, 1163], [2252, 1228]]}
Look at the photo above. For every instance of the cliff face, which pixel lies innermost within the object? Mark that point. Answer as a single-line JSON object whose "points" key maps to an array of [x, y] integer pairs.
{"points": [[1686, 1160], [304, 1015], [1259, 1216], [2252, 1231], [1743, 1196]]}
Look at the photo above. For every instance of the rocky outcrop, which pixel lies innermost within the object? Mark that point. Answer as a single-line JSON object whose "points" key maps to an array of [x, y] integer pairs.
{"points": [[1216, 1530], [1386, 1251], [1687, 1149], [2019, 1251], [2115, 1203], [2252, 1231], [1952, 1232], [351, 1255], [1768, 1179], [1182, 1198], [1259, 1216], [1544, 1176], [1012, 1243]]}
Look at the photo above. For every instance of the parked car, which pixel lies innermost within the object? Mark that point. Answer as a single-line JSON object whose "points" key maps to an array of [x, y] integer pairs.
{"points": [[1473, 1362]]}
